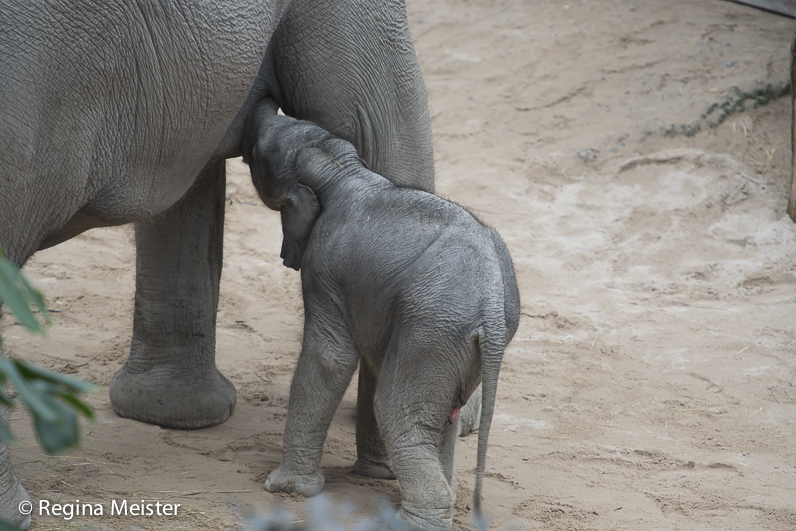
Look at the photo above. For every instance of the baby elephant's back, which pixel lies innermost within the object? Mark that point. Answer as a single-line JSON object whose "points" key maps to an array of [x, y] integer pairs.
{"points": [[446, 262], [456, 276]]}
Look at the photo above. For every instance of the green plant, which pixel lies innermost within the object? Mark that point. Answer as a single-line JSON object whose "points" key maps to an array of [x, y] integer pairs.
{"points": [[17, 294], [52, 398], [324, 515]]}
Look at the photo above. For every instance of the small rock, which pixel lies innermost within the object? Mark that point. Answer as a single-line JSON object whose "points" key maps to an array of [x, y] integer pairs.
{"points": [[588, 155]]}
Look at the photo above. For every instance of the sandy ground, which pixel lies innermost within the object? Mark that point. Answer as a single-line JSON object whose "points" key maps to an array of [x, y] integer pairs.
{"points": [[652, 382]]}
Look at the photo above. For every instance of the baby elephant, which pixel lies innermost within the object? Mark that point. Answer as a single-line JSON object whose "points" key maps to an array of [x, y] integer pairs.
{"points": [[412, 287]]}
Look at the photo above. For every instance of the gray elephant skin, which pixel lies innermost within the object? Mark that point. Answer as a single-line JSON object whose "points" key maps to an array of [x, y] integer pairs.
{"points": [[118, 112], [411, 287]]}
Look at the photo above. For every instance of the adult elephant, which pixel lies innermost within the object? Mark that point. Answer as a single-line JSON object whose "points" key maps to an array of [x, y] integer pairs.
{"points": [[125, 111]]}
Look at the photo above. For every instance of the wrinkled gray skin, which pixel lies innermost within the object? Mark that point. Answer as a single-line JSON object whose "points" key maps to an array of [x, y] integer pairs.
{"points": [[118, 112], [408, 285]]}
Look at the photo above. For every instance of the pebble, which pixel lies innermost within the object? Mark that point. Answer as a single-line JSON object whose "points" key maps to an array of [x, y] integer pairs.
{"points": [[588, 155]]}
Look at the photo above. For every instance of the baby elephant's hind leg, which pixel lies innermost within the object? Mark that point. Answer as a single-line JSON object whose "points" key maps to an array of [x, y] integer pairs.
{"points": [[372, 460], [447, 446], [415, 425], [470, 415]]}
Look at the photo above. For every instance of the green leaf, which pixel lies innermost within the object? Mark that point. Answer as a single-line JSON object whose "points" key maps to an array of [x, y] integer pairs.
{"points": [[35, 372], [57, 436], [33, 400], [35, 296], [4, 398], [14, 298], [50, 397], [6, 436], [78, 405]]}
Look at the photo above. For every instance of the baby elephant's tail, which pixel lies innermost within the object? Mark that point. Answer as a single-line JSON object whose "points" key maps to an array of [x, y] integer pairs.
{"points": [[500, 322], [492, 343]]}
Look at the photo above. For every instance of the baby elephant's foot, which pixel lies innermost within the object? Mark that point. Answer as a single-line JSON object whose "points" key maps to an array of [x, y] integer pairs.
{"points": [[439, 521], [281, 480], [373, 468]]}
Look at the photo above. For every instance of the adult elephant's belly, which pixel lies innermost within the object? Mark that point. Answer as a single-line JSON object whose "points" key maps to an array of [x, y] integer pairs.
{"points": [[129, 131], [135, 193]]}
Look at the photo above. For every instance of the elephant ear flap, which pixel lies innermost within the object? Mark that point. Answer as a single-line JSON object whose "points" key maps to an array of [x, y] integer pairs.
{"points": [[298, 219]]}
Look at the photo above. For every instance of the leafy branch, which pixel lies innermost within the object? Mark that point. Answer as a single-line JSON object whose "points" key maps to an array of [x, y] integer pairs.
{"points": [[52, 398], [18, 294]]}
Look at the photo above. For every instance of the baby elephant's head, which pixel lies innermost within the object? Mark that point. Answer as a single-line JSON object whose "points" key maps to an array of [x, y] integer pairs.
{"points": [[270, 146]]}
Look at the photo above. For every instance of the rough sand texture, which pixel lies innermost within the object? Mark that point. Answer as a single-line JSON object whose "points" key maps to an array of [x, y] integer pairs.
{"points": [[652, 382]]}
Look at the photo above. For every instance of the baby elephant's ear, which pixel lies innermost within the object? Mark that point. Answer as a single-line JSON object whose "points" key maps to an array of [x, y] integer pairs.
{"points": [[298, 218]]}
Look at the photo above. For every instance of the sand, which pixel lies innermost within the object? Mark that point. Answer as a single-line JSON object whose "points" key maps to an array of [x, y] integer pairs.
{"points": [[652, 382]]}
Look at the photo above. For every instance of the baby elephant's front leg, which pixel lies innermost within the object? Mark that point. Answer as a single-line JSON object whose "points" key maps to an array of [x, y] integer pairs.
{"points": [[323, 372]]}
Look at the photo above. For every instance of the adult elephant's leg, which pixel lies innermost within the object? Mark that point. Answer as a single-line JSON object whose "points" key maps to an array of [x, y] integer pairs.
{"points": [[12, 493], [170, 378], [372, 459], [350, 67]]}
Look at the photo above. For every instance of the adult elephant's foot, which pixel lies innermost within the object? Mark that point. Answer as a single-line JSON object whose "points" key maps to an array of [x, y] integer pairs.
{"points": [[15, 502], [173, 398], [283, 480], [373, 467], [14, 499], [170, 378]]}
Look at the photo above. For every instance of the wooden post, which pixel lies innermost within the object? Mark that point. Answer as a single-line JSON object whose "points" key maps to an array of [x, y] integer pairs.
{"points": [[792, 198]]}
